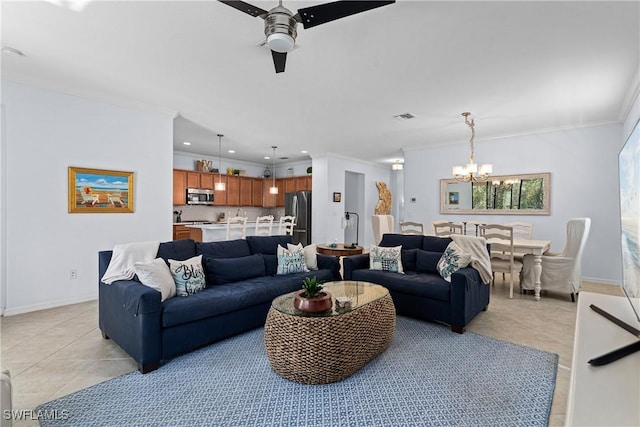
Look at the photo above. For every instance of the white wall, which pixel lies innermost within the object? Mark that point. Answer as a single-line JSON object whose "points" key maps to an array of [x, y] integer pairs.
{"points": [[46, 132], [329, 177], [584, 183]]}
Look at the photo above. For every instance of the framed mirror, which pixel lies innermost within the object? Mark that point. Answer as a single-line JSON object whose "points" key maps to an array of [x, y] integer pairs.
{"points": [[526, 194]]}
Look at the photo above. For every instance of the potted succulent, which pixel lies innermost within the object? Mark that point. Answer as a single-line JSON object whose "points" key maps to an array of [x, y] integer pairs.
{"points": [[312, 298]]}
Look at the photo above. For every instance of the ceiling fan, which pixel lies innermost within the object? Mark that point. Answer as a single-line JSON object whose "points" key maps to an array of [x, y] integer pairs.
{"points": [[280, 23]]}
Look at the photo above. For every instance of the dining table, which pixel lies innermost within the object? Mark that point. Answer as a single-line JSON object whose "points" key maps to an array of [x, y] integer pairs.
{"points": [[535, 248]]}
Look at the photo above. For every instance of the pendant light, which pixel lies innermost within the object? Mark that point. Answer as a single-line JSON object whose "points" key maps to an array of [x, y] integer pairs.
{"points": [[273, 189], [219, 186]]}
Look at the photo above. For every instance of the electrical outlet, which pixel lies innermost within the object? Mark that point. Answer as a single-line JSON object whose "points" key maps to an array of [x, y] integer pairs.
{"points": [[73, 274]]}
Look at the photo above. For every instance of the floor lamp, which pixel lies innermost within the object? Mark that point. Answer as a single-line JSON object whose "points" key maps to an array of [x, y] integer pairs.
{"points": [[347, 216]]}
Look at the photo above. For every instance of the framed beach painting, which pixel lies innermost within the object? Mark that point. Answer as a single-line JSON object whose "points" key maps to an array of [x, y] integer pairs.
{"points": [[100, 191]]}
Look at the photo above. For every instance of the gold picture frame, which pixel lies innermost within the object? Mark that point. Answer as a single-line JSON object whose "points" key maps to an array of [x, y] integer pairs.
{"points": [[100, 191]]}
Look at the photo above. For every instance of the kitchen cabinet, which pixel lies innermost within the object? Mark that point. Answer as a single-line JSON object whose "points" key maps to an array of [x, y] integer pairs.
{"points": [[220, 197], [179, 187], [181, 232], [193, 179], [246, 191], [233, 190], [256, 192], [268, 200], [206, 180], [301, 183], [289, 185], [280, 196]]}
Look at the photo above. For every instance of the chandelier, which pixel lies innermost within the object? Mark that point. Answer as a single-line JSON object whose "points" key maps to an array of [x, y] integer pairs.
{"points": [[471, 172]]}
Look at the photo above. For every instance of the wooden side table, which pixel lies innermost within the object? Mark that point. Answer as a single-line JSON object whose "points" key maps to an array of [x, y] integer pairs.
{"points": [[339, 250]]}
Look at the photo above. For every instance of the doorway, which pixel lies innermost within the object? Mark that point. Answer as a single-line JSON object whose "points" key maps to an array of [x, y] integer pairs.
{"points": [[354, 203]]}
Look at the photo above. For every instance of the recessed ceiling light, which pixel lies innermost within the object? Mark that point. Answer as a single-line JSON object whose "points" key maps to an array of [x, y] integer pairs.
{"points": [[267, 157], [10, 51], [304, 151], [232, 151], [186, 143]]}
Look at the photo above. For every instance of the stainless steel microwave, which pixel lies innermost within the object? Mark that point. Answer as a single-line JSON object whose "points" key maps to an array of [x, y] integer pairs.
{"points": [[199, 196]]}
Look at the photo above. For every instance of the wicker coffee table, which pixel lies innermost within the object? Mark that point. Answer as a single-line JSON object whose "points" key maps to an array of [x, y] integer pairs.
{"points": [[327, 347]]}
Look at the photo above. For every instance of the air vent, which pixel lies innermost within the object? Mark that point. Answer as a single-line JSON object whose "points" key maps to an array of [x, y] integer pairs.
{"points": [[283, 158], [405, 116]]}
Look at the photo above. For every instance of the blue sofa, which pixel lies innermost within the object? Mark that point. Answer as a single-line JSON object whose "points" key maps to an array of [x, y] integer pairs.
{"points": [[151, 331], [421, 292]]}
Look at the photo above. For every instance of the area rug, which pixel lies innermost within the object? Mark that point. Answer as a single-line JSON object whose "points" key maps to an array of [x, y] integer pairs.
{"points": [[428, 376]]}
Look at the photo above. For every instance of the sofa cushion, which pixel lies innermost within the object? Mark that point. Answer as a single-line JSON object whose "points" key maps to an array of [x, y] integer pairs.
{"points": [[427, 261], [178, 249], [310, 254], [291, 261], [407, 241], [156, 275], [224, 249], [386, 259], [435, 244], [221, 271], [452, 260], [425, 285], [217, 300], [408, 257], [267, 244], [188, 275]]}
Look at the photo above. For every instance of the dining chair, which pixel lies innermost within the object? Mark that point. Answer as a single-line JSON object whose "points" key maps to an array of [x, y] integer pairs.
{"points": [[447, 229], [236, 227], [286, 225], [471, 228], [521, 230], [264, 225], [409, 227], [561, 271], [500, 237], [381, 225]]}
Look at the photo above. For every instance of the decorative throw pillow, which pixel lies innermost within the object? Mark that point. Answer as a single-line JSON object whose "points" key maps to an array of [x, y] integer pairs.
{"points": [[156, 275], [452, 260], [188, 275], [386, 259], [427, 261], [290, 262], [310, 258]]}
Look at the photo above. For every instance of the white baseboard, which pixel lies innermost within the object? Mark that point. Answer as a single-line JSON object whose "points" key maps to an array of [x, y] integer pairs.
{"points": [[601, 281], [11, 311]]}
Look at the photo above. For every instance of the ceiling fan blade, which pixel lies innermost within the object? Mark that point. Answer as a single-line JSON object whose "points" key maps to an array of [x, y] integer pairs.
{"points": [[327, 12], [279, 60], [246, 8]]}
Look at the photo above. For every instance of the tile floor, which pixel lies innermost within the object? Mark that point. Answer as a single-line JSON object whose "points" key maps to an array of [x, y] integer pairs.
{"points": [[54, 352]]}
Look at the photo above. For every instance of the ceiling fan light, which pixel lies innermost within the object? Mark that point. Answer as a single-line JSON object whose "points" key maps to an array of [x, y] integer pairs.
{"points": [[280, 42]]}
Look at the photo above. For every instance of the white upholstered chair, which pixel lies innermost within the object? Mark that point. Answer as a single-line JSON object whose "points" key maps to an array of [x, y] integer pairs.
{"points": [[286, 225], [500, 237], [561, 272], [446, 229], [381, 225], [409, 227], [236, 227], [264, 225]]}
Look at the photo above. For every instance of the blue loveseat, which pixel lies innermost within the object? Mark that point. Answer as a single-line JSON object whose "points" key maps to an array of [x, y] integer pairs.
{"points": [[151, 331], [421, 292]]}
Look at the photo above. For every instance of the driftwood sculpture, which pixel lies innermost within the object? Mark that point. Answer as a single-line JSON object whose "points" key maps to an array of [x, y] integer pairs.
{"points": [[383, 207]]}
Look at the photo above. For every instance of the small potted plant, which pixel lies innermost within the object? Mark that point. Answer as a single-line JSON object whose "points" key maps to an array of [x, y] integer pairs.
{"points": [[312, 298]]}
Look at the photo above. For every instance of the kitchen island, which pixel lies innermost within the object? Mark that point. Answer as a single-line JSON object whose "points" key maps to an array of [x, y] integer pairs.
{"points": [[215, 232]]}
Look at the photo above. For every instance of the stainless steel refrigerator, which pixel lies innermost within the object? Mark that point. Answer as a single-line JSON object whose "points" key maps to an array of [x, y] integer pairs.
{"points": [[298, 204]]}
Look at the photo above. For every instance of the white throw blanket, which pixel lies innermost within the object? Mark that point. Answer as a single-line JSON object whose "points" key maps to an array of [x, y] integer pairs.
{"points": [[122, 264], [477, 248]]}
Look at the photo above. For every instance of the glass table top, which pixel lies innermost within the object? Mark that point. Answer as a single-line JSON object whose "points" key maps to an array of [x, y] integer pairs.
{"points": [[360, 293]]}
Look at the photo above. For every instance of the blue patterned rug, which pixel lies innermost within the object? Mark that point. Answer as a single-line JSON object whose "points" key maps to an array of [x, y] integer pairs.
{"points": [[429, 376]]}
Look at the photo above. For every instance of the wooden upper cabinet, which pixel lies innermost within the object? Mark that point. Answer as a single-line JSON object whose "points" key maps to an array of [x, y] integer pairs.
{"points": [[280, 183], [179, 187], [233, 190], [301, 183], [246, 191], [220, 197], [206, 180], [268, 200], [193, 179], [309, 179], [256, 192], [289, 185]]}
